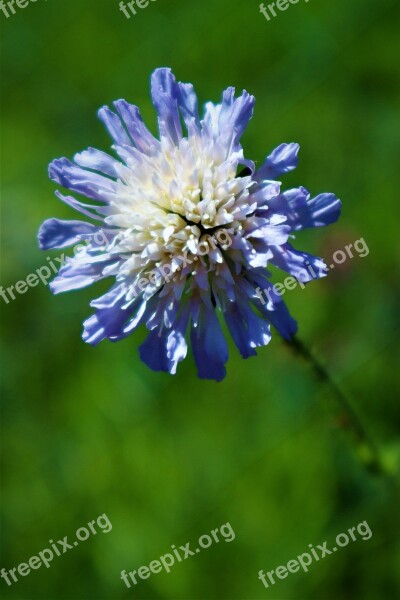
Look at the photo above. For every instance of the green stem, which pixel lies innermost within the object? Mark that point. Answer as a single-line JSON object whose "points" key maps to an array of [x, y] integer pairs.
{"points": [[368, 451]]}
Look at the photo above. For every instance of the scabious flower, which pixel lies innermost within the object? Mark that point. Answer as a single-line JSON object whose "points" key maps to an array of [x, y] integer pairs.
{"points": [[186, 226]]}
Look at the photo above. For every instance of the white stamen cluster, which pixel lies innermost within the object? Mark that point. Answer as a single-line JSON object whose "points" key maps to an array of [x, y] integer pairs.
{"points": [[167, 203]]}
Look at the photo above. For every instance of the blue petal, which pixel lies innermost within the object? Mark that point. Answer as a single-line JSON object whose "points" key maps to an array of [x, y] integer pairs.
{"points": [[76, 274], [55, 233], [164, 314], [152, 352], [234, 115], [110, 298], [259, 333], [303, 266], [209, 346], [80, 180], [281, 319], [165, 100], [283, 322], [98, 161], [320, 211], [61, 284], [282, 160], [238, 331], [272, 233], [304, 213], [163, 351], [248, 330], [165, 346], [108, 322], [176, 349], [141, 136], [114, 126], [85, 209], [188, 104]]}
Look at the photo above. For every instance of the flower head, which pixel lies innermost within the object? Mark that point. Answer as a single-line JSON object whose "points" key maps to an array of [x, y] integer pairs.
{"points": [[187, 228]]}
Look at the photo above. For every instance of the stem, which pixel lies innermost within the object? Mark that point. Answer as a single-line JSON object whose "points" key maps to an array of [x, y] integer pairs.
{"points": [[368, 451]]}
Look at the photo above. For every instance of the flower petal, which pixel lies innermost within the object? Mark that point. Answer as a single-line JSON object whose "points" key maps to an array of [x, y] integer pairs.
{"points": [[77, 273], [304, 213], [55, 233], [165, 100], [108, 322], [98, 161], [141, 136], [209, 346], [87, 183], [282, 160], [301, 265], [114, 126], [188, 104], [228, 120]]}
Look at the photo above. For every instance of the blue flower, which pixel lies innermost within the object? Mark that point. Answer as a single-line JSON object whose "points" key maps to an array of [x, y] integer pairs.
{"points": [[186, 227]]}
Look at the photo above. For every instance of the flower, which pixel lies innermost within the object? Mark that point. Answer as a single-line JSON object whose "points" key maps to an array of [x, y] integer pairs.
{"points": [[158, 203]]}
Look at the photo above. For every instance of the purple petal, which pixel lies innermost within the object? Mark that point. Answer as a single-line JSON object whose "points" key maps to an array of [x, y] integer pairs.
{"points": [[77, 274], [321, 211], [84, 182], [234, 115], [108, 322], [114, 126], [97, 161], [209, 346], [303, 266], [188, 104], [282, 160], [165, 100], [141, 136], [304, 213], [55, 233]]}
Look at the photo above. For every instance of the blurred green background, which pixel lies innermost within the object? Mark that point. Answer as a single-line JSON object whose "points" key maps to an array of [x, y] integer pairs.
{"points": [[88, 431]]}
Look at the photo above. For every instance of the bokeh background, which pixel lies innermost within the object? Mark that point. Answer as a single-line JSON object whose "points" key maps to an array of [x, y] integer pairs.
{"points": [[88, 431]]}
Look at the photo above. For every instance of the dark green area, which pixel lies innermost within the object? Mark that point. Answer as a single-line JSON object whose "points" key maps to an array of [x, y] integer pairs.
{"points": [[88, 431]]}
